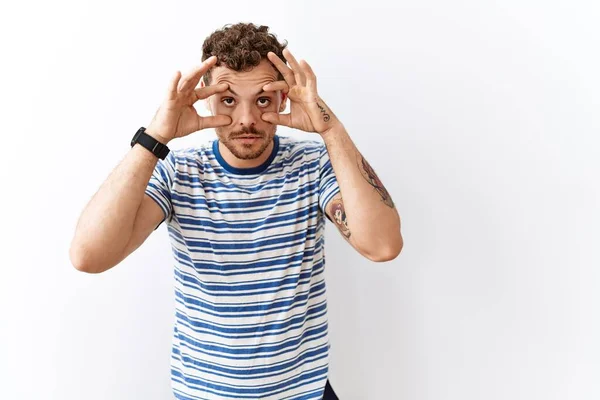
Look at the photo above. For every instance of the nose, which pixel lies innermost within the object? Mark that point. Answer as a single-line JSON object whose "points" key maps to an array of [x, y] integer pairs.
{"points": [[248, 116]]}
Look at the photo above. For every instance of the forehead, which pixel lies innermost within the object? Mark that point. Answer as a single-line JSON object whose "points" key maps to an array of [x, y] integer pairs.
{"points": [[260, 75]]}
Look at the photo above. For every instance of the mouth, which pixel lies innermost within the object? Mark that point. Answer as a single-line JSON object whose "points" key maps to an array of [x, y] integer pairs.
{"points": [[247, 139]]}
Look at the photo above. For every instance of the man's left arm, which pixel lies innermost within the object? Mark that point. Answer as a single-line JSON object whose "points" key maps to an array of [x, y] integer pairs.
{"points": [[363, 211]]}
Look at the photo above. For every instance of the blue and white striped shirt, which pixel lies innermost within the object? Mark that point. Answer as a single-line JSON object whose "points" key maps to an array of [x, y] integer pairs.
{"points": [[248, 247]]}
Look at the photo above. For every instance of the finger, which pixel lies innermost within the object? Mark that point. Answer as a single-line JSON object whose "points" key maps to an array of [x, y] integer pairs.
{"points": [[172, 90], [278, 119], [190, 81], [213, 121], [298, 74], [207, 91], [278, 85], [311, 78], [287, 73]]}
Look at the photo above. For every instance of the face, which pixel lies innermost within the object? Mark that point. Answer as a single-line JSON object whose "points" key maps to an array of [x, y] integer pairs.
{"points": [[245, 102], [339, 215]]}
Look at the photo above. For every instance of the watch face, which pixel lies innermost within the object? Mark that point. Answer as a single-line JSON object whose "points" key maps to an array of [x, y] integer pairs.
{"points": [[136, 136]]}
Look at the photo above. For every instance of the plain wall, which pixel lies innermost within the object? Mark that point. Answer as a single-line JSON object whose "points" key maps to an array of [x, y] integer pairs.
{"points": [[480, 117]]}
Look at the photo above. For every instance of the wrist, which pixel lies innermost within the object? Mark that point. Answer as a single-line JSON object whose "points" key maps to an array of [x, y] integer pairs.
{"points": [[328, 117], [156, 135], [334, 130]]}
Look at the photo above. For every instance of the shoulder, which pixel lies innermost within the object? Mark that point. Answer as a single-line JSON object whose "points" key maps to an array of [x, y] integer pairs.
{"points": [[185, 154], [290, 147]]}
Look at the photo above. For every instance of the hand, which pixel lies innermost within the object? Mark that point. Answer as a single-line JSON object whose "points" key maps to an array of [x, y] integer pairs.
{"points": [[308, 112], [177, 117]]}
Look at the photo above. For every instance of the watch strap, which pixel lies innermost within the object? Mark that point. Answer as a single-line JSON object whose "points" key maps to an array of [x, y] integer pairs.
{"points": [[154, 146]]}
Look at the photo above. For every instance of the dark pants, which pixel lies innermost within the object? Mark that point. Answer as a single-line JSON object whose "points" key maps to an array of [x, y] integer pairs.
{"points": [[329, 394]]}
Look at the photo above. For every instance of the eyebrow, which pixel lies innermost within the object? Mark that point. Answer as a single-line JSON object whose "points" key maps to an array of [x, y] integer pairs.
{"points": [[231, 90]]}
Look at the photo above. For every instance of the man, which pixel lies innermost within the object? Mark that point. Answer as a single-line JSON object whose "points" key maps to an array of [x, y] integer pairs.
{"points": [[246, 218]]}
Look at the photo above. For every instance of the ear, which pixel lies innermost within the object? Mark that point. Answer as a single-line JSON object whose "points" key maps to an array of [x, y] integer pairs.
{"points": [[283, 102]]}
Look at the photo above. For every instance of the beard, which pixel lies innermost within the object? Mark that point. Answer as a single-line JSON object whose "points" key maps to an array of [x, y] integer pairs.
{"points": [[246, 151]]}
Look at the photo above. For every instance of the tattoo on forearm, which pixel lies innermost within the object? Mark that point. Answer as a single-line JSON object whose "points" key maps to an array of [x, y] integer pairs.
{"points": [[339, 217], [371, 177], [326, 116]]}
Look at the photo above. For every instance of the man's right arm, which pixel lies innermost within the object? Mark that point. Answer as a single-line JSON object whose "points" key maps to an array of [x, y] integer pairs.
{"points": [[119, 217]]}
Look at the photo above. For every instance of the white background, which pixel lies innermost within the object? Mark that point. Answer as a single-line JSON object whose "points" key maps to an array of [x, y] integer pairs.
{"points": [[480, 117]]}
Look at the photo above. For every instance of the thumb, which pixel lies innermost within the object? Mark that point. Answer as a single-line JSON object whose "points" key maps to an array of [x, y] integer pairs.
{"points": [[277, 119], [214, 121]]}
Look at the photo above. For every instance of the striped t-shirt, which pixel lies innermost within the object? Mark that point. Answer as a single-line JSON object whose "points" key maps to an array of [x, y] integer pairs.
{"points": [[249, 259]]}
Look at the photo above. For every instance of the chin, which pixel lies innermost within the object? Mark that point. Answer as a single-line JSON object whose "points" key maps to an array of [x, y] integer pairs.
{"points": [[245, 153], [248, 151]]}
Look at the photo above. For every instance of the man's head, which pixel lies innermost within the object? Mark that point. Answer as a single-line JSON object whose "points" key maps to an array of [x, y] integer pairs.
{"points": [[242, 63]]}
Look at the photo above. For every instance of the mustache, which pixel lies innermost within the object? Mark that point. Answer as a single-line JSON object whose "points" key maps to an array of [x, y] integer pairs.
{"points": [[247, 131]]}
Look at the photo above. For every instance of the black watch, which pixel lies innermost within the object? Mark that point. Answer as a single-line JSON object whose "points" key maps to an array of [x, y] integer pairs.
{"points": [[157, 148]]}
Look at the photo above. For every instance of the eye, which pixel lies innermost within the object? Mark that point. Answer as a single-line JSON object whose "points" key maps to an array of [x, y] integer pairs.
{"points": [[226, 100], [266, 101]]}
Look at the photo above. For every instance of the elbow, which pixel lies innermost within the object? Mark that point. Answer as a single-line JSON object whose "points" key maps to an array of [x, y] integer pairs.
{"points": [[386, 253], [79, 262]]}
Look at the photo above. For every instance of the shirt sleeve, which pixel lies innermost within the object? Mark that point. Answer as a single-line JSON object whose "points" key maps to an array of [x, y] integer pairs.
{"points": [[160, 185], [328, 185]]}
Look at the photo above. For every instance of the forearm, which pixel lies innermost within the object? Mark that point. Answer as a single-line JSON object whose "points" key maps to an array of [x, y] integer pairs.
{"points": [[106, 224], [371, 216]]}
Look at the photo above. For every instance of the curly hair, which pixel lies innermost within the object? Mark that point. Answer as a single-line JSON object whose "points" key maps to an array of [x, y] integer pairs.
{"points": [[241, 47]]}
